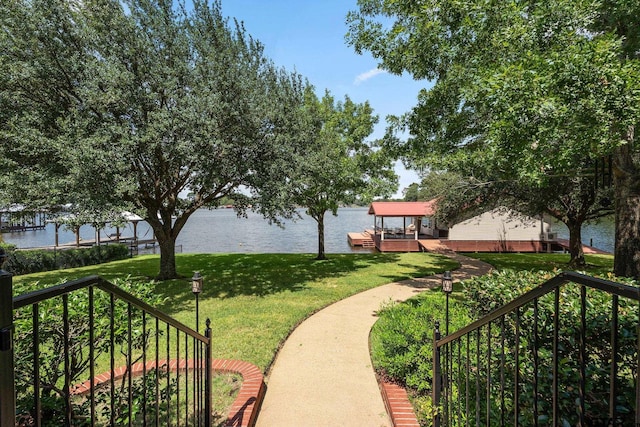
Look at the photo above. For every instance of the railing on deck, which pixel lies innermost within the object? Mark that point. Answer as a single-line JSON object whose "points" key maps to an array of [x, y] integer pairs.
{"points": [[563, 354], [111, 359]]}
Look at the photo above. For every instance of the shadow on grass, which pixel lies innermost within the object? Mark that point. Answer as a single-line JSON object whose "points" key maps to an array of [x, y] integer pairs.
{"points": [[233, 275]]}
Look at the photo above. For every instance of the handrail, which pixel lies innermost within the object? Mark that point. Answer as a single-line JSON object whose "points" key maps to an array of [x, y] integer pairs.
{"points": [[485, 359], [37, 296], [181, 392], [615, 288], [40, 295]]}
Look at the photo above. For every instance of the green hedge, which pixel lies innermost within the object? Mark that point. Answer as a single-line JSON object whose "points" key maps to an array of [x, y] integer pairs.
{"points": [[37, 260], [402, 344], [482, 295]]}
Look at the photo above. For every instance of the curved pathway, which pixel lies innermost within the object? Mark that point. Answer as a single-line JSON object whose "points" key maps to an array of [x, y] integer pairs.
{"points": [[322, 376]]}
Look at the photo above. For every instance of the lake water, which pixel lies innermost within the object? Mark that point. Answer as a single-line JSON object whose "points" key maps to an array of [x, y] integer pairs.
{"points": [[220, 230]]}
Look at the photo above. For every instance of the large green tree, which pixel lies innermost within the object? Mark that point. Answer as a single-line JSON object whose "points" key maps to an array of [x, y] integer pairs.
{"points": [[526, 90], [339, 165], [142, 102], [34, 99]]}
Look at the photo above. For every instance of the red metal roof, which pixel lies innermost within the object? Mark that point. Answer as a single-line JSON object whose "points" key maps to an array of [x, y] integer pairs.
{"points": [[399, 209]]}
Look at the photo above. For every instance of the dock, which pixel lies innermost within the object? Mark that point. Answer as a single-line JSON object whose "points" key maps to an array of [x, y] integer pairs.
{"points": [[20, 228], [563, 245], [434, 245], [364, 239], [134, 245], [367, 239]]}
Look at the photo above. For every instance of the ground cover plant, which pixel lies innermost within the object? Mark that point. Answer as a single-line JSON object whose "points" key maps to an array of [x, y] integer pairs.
{"points": [[483, 295], [402, 339]]}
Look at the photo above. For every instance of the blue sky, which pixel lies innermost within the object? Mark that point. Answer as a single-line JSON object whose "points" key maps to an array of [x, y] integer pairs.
{"points": [[308, 36]]}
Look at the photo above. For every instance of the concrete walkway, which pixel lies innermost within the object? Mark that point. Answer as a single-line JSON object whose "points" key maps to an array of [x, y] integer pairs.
{"points": [[323, 375]]}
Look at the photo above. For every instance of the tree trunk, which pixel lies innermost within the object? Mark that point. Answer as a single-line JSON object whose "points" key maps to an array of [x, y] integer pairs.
{"points": [[166, 233], [320, 221], [167, 258], [626, 176], [575, 244]]}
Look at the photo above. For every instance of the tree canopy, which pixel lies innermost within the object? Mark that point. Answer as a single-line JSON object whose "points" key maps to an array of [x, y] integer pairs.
{"points": [[339, 165], [524, 91], [135, 104]]}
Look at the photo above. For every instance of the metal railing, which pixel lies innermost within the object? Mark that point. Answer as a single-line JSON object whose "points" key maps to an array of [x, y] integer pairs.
{"points": [[563, 354], [88, 353]]}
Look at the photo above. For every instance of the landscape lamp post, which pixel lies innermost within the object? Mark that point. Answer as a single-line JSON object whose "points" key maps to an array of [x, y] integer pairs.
{"points": [[447, 288], [196, 288]]}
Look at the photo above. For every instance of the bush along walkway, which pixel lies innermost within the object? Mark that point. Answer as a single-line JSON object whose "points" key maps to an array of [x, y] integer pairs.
{"points": [[323, 376]]}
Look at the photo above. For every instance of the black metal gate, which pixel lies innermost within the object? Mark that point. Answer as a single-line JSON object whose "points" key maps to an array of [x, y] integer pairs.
{"points": [[532, 362], [95, 369]]}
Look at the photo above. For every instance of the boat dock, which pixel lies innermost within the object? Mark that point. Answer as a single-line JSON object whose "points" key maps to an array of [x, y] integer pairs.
{"points": [[364, 239], [563, 245], [367, 239]]}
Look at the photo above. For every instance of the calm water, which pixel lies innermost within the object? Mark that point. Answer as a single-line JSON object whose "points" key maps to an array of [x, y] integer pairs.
{"points": [[221, 230], [601, 235]]}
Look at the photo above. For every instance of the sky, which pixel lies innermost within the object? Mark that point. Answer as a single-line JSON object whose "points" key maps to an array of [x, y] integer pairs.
{"points": [[308, 36]]}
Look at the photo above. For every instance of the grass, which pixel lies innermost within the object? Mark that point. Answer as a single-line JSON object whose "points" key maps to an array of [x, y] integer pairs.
{"points": [[543, 262], [255, 300]]}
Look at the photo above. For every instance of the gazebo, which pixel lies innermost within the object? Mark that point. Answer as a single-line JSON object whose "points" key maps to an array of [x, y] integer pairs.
{"points": [[405, 238]]}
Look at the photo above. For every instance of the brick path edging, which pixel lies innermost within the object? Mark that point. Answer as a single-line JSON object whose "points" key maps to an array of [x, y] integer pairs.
{"points": [[398, 406], [243, 412]]}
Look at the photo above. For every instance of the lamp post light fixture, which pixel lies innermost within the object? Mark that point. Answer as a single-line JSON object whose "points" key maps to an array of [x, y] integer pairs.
{"points": [[196, 288], [447, 288]]}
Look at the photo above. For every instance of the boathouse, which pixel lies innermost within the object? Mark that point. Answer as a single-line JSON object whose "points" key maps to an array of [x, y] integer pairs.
{"points": [[74, 223], [399, 226]]}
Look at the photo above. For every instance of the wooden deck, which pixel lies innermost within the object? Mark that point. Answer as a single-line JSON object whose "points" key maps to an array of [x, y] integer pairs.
{"points": [[398, 242], [520, 246], [363, 239], [433, 245], [564, 245]]}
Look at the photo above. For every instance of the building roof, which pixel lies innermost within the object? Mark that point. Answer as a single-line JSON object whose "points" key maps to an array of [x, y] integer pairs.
{"points": [[401, 209]]}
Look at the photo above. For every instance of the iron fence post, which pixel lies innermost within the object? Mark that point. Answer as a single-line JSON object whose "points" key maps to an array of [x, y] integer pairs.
{"points": [[7, 385], [437, 376], [208, 377]]}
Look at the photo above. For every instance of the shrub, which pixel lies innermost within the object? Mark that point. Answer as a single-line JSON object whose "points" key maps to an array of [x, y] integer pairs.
{"points": [[484, 294], [402, 345], [51, 332], [37, 260]]}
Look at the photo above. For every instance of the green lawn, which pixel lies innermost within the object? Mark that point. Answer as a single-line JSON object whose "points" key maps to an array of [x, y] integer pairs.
{"points": [[544, 262], [255, 300]]}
